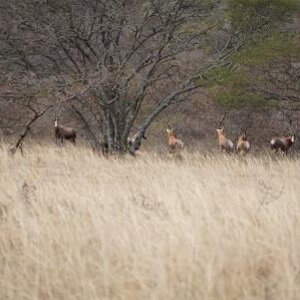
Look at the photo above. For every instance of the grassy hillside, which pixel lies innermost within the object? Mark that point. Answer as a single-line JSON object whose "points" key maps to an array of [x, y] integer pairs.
{"points": [[74, 225]]}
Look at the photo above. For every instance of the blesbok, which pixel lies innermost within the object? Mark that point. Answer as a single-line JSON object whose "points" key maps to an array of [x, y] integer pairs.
{"points": [[64, 133], [224, 143], [283, 143], [243, 145], [173, 142], [130, 141]]}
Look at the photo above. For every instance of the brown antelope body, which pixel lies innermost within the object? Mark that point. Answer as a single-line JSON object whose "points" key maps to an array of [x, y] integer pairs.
{"points": [[224, 143], [283, 143], [173, 142], [64, 133], [243, 145]]}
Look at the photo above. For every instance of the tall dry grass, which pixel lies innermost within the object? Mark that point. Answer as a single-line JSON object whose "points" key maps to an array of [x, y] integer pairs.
{"points": [[74, 225]]}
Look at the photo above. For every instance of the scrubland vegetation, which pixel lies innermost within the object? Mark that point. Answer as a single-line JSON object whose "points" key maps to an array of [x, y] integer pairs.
{"points": [[114, 69], [76, 225], [152, 225]]}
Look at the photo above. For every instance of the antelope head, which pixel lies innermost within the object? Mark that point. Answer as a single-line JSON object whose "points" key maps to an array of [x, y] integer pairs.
{"points": [[243, 136], [220, 131], [171, 132]]}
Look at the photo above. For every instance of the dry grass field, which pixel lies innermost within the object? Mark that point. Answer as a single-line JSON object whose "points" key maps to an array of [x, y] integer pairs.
{"points": [[75, 225]]}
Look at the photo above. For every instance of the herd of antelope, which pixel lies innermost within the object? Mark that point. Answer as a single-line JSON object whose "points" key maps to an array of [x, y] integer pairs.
{"points": [[243, 145], [175, 144]]}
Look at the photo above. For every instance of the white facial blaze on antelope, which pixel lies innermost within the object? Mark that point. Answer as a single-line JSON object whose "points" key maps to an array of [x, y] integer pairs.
{"points": [[131, 141], [224, 143], [283, 143], [243, 145], [173, 142], [64, 133]]}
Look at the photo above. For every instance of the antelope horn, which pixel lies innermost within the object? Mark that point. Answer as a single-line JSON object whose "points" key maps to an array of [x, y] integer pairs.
{"points": [[223, 119]]}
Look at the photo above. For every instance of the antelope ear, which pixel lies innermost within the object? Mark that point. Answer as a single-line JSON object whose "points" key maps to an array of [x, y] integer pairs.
{"points": [[168, 130]]}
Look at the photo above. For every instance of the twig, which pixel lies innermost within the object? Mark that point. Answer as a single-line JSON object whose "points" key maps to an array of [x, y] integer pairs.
{"points": [[37, 115]]}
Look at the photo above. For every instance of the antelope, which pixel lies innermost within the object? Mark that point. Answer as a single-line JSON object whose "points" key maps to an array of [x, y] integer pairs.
{"points": [[173, 142], [64, 133], [136, 151], [283, 143], [131, 140], [224, 143], [243, 145]]}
